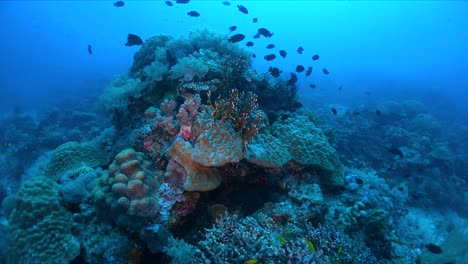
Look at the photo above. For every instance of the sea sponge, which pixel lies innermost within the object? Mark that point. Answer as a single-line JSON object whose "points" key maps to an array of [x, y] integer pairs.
{"points": [[40, 229], [71, 156]]}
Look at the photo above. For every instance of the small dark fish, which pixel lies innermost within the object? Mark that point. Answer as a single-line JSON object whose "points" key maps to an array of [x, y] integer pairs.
{"points": [[193, 13], [300, 68], [263, 32], [312, 86], [254, 56], [119, 4], [182, 1], [377, 112], [255, 20], [90, 49], [434, 248], [300, 50], [315, 57], [292, 80], [232, 28], [325, 71], [356, 113], [359, 181], [283, 53], [243, 9], [269, 57], [401, 188], [226, 3], [340, 87], [284, 117], [236, 38], [274, 71], [308, 72], [133, 40], [249, 44], [270, 46], [168, 3], [396, 151], [334, 111]]}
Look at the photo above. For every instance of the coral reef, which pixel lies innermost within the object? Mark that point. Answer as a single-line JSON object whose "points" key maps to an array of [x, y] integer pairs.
{"points": [[71, 156], [39, 228]]}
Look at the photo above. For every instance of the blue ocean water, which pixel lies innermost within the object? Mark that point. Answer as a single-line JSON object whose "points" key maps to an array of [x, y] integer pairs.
{"points": [[390, 116]]}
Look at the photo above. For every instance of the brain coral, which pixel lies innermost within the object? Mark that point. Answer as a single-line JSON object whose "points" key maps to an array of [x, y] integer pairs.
{"points": [[71, 156], [309, 146], [128, 188], [40, 229]]}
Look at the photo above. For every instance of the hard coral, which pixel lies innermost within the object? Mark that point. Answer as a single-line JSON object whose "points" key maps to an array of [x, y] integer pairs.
{"points": [[40, 229], [71, 156], [128, 188]]}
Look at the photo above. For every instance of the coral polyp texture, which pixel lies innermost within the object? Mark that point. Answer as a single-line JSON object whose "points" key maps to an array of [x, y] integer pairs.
{"points": [[71, 156], [40, 229], [309, 146]]}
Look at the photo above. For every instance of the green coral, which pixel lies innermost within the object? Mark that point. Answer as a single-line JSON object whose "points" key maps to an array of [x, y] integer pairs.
{"points": [[309, 146], [40, 229], [71, 156]]}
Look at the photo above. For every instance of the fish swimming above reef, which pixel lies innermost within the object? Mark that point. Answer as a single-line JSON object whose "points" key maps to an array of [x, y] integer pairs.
{"points": [[270, 46], [340, 87], [168, 3], [300, 50], [133, 40], [226, 3], [269, 57], [274, 71], [283, 53], [243, 9], [325, 71], [90, 49], [254, 56], [292, 80], [377, 112], [232, 28], [312, 86], [315, 57], [255, 20], [334, 111], [263, 32], [396, 151], [249, 44], [236, 38], [308, 71], [193, 13], [434, 248], [300, 68], [119, 3], [182, 1]]}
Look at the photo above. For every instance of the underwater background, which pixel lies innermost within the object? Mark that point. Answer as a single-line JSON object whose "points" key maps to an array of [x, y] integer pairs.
{"points": [[195, 131]]}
